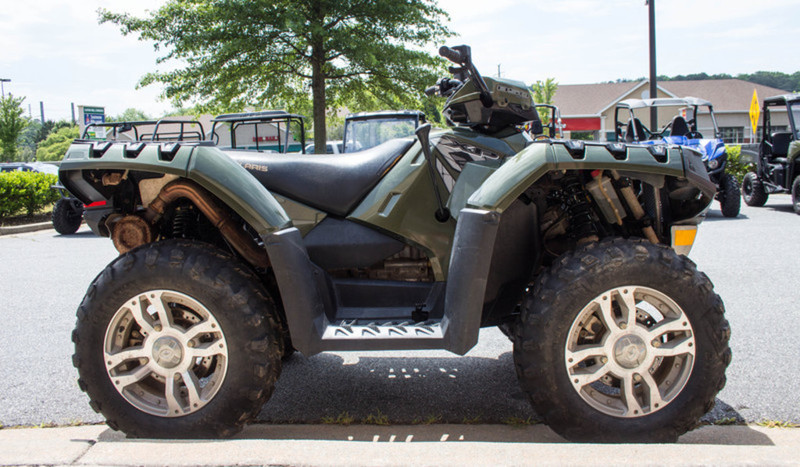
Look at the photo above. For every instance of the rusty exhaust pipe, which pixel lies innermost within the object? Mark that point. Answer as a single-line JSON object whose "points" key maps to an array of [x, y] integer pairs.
{"points": [[237, 237]]}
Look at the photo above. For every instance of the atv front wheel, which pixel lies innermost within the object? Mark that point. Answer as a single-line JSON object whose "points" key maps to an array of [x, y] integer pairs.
{"points": [[66, 218], [622, 341], [730, 197], [753, 191], [177, 340], [796, 194]]}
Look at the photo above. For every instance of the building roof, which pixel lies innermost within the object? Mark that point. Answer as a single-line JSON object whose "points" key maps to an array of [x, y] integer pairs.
{"points": [[725, 94], [591, 99]]}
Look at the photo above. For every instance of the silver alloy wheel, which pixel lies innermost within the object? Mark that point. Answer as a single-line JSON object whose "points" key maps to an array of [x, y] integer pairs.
{"points": [[165, 353], [630, 351]]}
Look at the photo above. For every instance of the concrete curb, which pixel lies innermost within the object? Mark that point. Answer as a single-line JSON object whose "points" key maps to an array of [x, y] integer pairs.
{"points": [[393, 445], [17, 229]]}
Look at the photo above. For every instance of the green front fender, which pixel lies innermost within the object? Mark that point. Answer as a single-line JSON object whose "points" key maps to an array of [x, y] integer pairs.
{"points": [[206, 165], [508, 182]]}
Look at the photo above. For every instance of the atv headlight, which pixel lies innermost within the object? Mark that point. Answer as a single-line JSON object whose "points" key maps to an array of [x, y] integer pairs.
{"points": [[713, 163]]}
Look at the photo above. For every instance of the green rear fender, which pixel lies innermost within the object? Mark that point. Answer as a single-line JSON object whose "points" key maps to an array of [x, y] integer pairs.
{"points": [[506, 184], [237, 188], [206, 165]]}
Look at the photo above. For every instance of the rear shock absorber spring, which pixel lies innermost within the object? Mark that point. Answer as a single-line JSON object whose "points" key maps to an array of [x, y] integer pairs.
{"points": [[182, 222], [579, 208]]}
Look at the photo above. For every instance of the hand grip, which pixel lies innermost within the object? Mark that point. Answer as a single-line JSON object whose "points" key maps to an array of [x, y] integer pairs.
{"points": [[451, 54]]}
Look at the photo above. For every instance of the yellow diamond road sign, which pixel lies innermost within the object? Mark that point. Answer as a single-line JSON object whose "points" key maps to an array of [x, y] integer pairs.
{"points": [[755, 111]]}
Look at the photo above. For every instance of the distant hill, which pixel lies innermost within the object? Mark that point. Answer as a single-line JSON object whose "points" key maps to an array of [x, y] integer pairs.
{"points": [[775, 79]]}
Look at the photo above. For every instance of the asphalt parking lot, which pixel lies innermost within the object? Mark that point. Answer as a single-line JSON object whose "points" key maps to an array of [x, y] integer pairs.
{"points": [[750, 259]]}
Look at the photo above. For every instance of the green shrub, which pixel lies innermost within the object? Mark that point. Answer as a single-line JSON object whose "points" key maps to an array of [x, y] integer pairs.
{"points": [[25, 191], [736, 165], [55, 146]]}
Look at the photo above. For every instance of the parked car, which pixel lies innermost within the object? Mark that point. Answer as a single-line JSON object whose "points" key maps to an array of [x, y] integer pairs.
{"points": [[365, 130], [777, 170], [331, 147], [682, 130], [29, 167]]}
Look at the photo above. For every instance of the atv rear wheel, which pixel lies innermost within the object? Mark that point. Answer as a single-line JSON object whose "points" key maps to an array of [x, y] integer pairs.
{"points": [[796, 194], [753, 191], [730, 200], [177, 340], [66, 218], [635, 351]]}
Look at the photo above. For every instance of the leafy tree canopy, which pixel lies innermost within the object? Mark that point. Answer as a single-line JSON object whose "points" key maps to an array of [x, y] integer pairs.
{"points": [[11, 125], [130, 115], [543, 93], [269, 53], [55, 146], [775, 79]]}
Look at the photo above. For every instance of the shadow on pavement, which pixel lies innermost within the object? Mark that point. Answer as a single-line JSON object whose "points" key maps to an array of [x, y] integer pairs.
{"points": [[346, 397], [399, 390], [713, 216], [80, 234], [780, 208]]}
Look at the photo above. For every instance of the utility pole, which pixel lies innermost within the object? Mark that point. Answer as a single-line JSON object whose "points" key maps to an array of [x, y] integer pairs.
{"points": [[4, 80], [498, 70], [72, 105], [653, 89], [41, 109]]}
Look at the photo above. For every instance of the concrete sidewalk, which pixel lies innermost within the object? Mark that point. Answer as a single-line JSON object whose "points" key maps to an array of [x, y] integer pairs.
{"points": [[98, 445]]}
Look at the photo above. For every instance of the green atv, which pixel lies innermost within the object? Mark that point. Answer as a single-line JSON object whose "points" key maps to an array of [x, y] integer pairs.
{"points": [[231, 259]]}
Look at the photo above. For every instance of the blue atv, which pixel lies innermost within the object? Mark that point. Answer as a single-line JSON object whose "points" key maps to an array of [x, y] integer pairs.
{"points": [[682, 130]]}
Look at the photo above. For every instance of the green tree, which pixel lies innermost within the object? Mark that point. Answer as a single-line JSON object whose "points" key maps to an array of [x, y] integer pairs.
{"points": [[269, 53], [130, 115], [11, 125], [56, 145], [35, 133], [543, 93]]}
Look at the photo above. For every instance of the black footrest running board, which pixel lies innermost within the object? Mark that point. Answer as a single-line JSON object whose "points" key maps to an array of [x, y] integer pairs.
{"points": [[349, 330]]}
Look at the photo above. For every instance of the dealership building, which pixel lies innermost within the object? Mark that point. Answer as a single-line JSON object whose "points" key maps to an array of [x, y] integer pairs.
{"points": [[590, 107]]}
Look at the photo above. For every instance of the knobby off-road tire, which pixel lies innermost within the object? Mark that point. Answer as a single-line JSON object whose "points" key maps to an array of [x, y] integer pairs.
{"points": [[796, 195], [730, 201], [753, 191], [622, 341], [66, 220], [177, 339]]}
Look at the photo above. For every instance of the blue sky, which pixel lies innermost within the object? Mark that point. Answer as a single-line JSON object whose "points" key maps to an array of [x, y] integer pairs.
{"points": [[56, 52]]}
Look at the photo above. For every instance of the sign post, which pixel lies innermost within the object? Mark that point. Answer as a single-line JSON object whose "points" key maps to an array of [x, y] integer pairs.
{"points": [[88, 115], [755, 111]]}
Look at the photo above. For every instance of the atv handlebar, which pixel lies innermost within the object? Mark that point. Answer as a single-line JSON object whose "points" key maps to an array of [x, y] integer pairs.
{"points": [[462, 55], [451, 54]]}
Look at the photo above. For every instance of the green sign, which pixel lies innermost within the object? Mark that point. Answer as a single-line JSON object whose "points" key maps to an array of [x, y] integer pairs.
{"points": [[94, 110]]}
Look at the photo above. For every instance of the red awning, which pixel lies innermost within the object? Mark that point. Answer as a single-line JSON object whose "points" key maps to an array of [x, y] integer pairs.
{"points": [[581, 124]]}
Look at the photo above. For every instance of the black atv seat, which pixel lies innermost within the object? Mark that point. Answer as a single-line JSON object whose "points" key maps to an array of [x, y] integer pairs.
{"points": [[630, 137], [780, 143], [334, 183], [679, 126]]}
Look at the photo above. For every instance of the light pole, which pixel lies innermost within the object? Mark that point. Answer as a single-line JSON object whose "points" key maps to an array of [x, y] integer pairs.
{"points": [[653, 90], [3, 80]]}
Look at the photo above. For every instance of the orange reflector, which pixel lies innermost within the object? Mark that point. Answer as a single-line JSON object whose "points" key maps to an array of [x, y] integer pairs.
{"points": [[684, 237]]}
